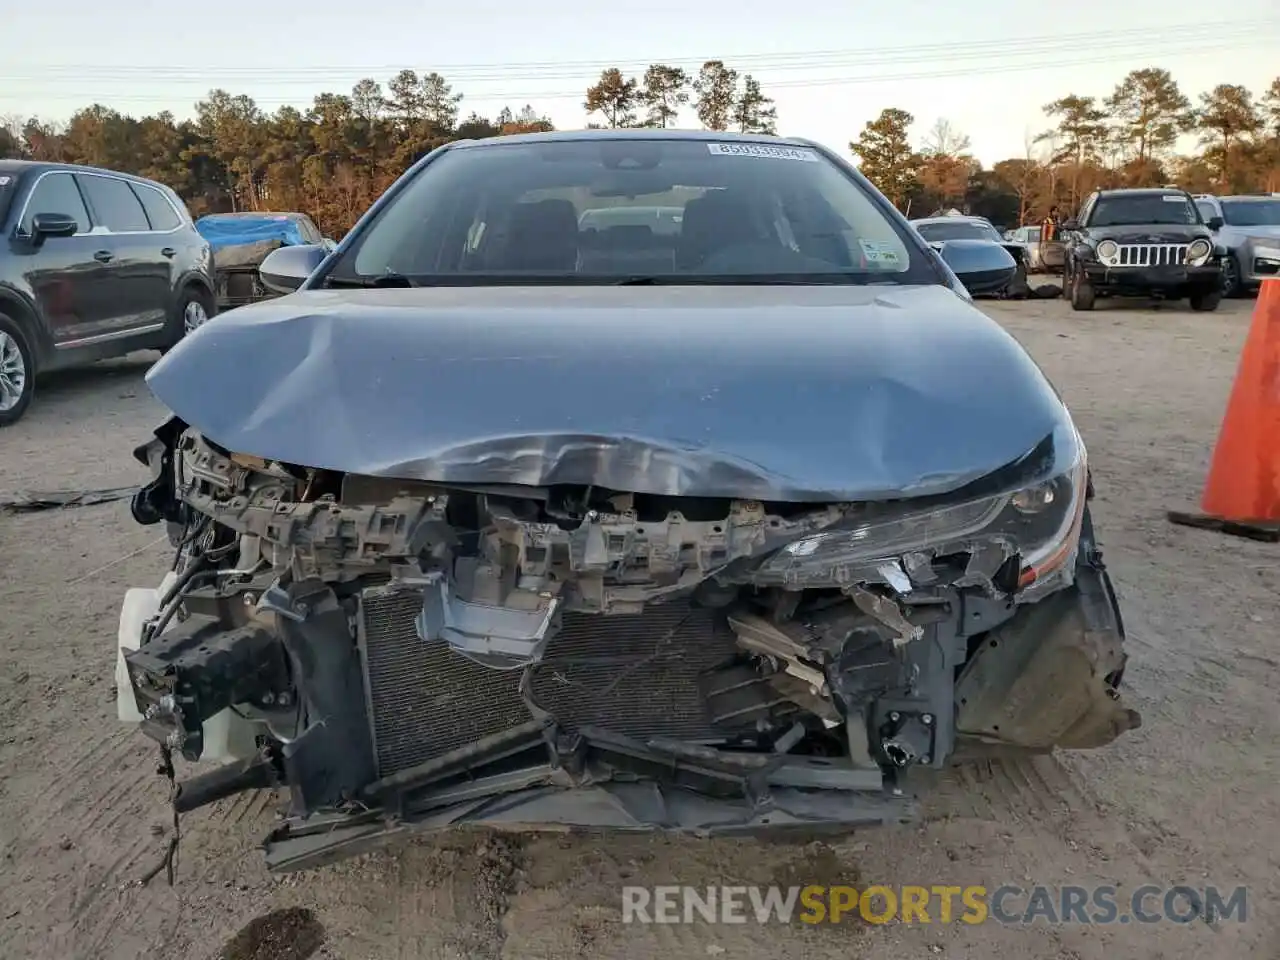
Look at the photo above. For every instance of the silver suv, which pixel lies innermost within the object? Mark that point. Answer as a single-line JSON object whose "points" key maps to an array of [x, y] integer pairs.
{"points": [[1248, 227]]}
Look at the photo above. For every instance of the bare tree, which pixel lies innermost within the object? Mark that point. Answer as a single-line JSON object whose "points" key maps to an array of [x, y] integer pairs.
{"points": [[944, 140]]}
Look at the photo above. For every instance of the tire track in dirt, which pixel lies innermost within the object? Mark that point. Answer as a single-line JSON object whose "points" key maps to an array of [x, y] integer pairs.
{"points": [[93, 925], [244, 810], [1043, 794]]}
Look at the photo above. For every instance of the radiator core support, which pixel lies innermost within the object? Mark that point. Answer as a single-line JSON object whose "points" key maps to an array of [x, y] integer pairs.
{"points": [[639, 675]]}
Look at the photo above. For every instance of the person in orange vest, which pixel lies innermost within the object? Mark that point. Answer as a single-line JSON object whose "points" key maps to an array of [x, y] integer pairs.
{"points": [[1049, 228]]}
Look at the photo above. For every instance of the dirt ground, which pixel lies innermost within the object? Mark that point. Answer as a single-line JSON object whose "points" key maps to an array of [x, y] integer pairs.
{"points": [[1189, 798]]}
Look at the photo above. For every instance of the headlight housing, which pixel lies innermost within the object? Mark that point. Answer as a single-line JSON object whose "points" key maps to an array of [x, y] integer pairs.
{"points": [[1038, 521], [1107, 251], [1266, 251], [1198, 252]]}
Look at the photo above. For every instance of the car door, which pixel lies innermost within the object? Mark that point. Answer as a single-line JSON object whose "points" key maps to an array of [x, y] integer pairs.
{"points": [[166, 226], [134, 253], [71, 289]]}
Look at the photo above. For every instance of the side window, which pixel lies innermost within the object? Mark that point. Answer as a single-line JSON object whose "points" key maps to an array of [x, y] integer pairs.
{"points": [[1206, 209], [56, 193], [1087, 210], [114, 203], [160, 212]]}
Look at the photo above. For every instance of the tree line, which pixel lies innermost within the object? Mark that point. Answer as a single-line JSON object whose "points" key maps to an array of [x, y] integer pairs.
{"points": [[1126, 139], [330, 160], [334, 158]]}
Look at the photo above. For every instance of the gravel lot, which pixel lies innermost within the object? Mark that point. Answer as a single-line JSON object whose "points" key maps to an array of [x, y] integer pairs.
{"points": [[1189, 798]]}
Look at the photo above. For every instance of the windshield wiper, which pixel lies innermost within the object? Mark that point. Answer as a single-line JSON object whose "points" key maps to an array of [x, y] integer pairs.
{"points": [[386, 280]]}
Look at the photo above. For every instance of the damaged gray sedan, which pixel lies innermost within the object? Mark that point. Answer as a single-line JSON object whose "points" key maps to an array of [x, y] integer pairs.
{"points": [[721, 511]]}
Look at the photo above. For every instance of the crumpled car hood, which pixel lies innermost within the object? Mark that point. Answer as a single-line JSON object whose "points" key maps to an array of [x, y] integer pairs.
{"points": [[791, 393]]}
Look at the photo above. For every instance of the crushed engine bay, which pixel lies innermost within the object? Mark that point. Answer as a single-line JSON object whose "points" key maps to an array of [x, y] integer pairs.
{"points": [[397, 652]]}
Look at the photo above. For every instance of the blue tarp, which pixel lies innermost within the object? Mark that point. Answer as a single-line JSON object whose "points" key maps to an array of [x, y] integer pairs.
{"points": [[238, 231]]}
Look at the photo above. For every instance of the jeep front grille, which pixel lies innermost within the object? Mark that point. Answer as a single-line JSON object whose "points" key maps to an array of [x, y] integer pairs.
{"points": [[1148, 255]]}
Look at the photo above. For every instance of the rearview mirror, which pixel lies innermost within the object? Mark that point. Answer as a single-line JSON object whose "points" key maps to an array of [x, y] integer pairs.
{"points": [[1070, 224], [982, 267], [1215, 223], [285, 269], [44, 225]]}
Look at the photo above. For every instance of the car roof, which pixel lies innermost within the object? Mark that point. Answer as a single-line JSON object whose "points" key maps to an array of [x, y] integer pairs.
{"points": [[963, 218], [245, 214], [1141, 191], [645, 133], [1250, 197], [19, 167]]}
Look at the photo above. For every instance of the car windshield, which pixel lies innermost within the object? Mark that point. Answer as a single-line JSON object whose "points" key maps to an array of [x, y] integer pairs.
{"points": [[1251, 213], [1141, 209], [941, 230], [632, 209]]}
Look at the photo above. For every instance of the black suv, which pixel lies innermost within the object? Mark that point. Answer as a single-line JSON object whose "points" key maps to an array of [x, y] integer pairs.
{"points": [[93, 264], [1141, 243]]}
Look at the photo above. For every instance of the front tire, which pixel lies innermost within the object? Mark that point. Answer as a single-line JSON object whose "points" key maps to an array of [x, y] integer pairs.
{"points": [[1205, 301], [1232, 285], [17, 372], [194, 309], [1082, 292]]}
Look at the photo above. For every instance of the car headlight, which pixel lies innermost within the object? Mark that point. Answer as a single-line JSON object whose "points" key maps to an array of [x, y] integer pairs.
{"points": [[1199, 252], [1263, 252], [1040, 522], [1107, 251]]}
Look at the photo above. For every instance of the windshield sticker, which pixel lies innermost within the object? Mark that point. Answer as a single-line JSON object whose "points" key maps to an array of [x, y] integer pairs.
{"points": [[4, 181], [1174, 199], [763, 151], [879, 251]]}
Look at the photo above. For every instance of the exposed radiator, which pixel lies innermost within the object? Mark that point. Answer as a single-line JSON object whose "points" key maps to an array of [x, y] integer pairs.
{"points": [[635, 675]]}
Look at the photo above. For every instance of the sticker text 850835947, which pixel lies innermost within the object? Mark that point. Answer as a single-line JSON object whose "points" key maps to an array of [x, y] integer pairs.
{"points": [[763, 151]]}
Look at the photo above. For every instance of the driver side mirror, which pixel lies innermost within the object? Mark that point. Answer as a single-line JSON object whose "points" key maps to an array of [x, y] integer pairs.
{"points": [[1215, 223], [285, 268], [1071, 224], [46, 225]]}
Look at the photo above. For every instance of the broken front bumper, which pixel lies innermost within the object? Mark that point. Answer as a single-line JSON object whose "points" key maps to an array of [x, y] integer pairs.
{"points": [[416, 737], [607, 783]]}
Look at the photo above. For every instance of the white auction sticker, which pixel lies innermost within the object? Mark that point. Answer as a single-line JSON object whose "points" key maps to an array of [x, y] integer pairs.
{"points": [[763, 151], [879, 251], [1172, 199], [4, 181]]}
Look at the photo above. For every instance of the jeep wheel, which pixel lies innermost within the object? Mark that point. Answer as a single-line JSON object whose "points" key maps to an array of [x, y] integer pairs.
{"points": [[17, 372], [1082, 294], [1231, 283], [1205, 301]]}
